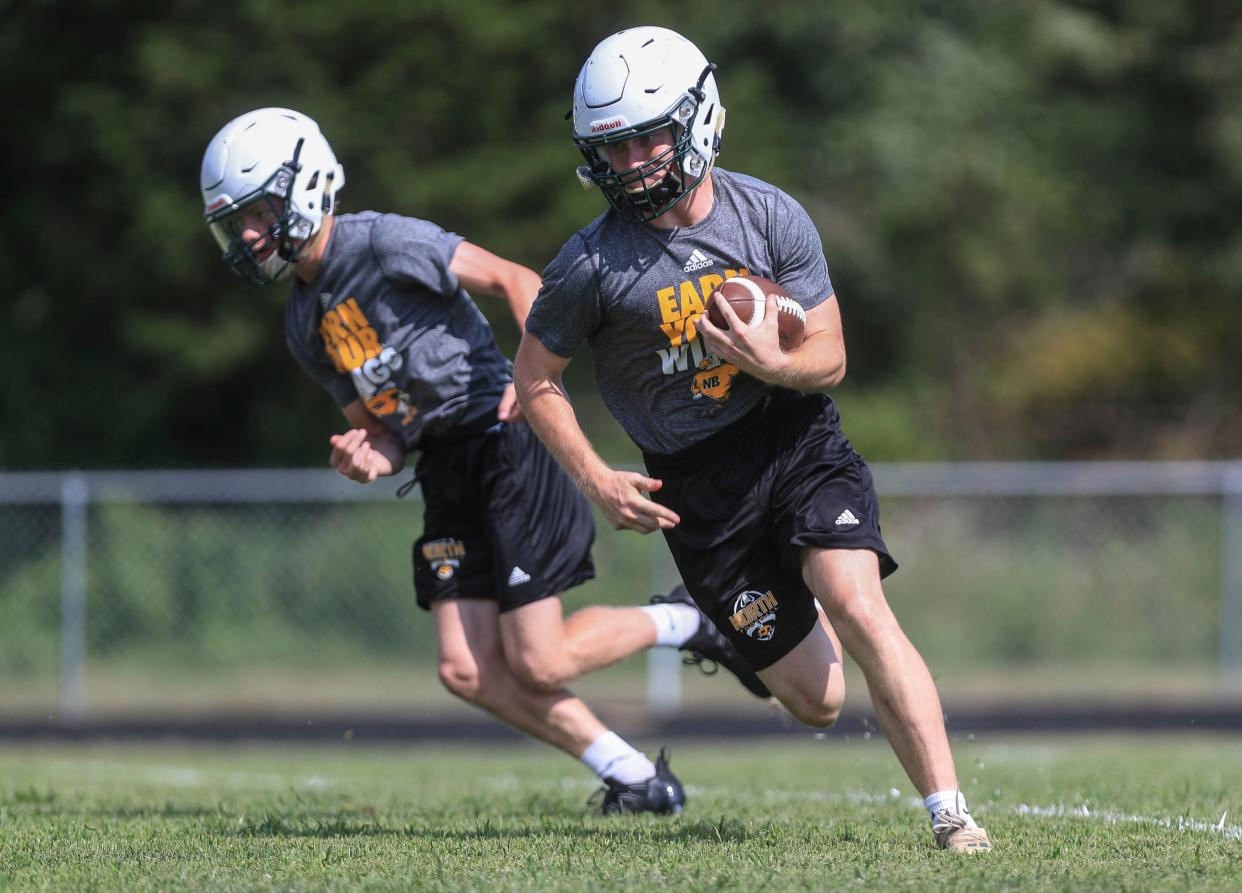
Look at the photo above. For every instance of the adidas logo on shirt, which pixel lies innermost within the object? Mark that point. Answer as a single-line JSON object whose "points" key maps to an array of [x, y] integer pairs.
{"points": [[698, 260], [847, 519], [517, 576]]}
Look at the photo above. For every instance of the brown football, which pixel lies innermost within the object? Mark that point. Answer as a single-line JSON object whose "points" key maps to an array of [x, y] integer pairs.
{"points": [[747, 295]]}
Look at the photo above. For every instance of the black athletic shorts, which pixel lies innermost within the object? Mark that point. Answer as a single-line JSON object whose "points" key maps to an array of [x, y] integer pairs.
{"points": [[749, 496], [502, 521]]}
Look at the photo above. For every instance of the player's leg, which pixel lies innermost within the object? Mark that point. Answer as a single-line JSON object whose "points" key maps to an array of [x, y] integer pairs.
{"points": [[809, 681], [473, 667], [546, 651], [847, 583], [827, 511]]}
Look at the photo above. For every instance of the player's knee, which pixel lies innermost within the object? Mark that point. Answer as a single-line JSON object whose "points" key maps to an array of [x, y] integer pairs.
{"points": [[461, 678], [828, 714], [818, 715], [537, 671], [819, 712]]}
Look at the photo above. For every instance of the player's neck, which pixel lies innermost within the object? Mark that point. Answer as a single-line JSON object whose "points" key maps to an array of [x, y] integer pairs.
{"points": [[307, 267], [692, 209]]}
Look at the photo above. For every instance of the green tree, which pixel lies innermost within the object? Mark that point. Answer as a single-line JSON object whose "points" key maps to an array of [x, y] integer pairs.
{"points": [[1030, 210]]}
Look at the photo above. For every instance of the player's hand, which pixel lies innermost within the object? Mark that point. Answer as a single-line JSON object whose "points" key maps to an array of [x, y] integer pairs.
{"points": [[622, 497], [510, 409], [355, 457], [755, 351]]}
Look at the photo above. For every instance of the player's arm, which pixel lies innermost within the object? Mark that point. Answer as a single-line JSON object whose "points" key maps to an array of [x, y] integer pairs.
{"points": [[367, 450], [481, 272], [620, 495], [816, 365]]}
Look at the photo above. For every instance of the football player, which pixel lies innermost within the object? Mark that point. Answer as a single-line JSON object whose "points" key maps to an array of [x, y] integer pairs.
{"points": [[380, 314], [768, 510]]}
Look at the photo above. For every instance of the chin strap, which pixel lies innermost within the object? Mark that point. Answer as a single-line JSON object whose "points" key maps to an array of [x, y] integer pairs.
{"points": [[285, 247], [665, 191]]}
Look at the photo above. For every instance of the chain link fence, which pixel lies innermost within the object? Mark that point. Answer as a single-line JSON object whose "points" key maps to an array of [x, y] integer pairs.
{"points": [[291, 590]]}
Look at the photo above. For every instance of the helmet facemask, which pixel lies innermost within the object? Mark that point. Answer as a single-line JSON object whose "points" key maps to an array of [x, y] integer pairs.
{"points": [[627, 190], [634, 83], [242, 255], [269, 172], [287, 225], [685, 167]]}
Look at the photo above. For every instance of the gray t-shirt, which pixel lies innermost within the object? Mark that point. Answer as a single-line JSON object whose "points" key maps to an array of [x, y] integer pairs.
{"points": [[635, 290], [387, 322]]}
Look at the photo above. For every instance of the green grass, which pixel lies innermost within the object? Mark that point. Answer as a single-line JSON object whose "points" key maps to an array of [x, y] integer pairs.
{"points": [[787, 814]]}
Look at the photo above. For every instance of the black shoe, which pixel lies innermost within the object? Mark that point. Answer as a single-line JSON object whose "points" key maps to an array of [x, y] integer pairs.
{"points": [[662, 793], [710, 649]]}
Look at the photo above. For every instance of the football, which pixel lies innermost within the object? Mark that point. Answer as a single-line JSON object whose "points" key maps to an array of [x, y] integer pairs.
{"points": [[747, 295]]}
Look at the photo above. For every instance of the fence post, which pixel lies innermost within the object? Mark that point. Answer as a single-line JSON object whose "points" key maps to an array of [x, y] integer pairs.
{"points": [[663, 664], [74, 497], [1231, 578]]}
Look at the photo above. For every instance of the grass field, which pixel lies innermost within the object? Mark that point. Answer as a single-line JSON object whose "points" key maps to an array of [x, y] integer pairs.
{"points": [[781, 814]]}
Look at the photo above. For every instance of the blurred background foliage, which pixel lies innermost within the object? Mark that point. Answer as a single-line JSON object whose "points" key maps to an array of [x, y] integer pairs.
{"points": [[1030, 210]]}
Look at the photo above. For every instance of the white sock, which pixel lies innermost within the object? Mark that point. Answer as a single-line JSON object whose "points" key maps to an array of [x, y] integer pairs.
{"points": [[953, 801], [610, 757], [675, 623]]}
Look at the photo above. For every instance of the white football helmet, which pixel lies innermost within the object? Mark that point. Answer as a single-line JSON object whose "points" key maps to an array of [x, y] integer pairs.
{"points": [[636, 82], [278, 157]]}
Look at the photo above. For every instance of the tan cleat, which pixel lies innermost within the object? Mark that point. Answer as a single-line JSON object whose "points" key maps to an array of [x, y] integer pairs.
{"points": [[959, 833]]}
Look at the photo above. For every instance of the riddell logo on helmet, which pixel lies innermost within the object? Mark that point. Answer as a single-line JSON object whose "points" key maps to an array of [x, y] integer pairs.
{"points": [[611, 124]]}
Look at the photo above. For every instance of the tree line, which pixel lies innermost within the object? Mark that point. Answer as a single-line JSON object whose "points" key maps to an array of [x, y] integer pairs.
{"points": [[1030, 211]]}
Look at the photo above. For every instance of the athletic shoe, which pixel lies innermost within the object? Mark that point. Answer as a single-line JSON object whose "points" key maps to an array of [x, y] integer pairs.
{"points": [[709, 648], [662, 793], [954, 832]]}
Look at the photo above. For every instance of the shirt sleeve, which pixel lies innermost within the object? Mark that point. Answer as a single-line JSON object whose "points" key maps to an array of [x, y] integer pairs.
{"points": [[798, 253], [418, 252], [567, 309]]}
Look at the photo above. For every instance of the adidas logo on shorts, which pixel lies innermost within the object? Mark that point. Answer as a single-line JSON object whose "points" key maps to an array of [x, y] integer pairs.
{"points": [[517, 576], [698, 260], [847, 519]]}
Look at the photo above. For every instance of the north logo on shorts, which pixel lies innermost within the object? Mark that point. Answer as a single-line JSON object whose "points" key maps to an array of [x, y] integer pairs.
{"points": [[847, 519], [754, 613], [444, 556]]}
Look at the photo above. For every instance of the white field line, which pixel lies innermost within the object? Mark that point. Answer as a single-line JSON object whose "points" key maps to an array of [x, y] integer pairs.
{"points": [[190, 777], [1082, 812], [180, 776], [1059, 811], [1111, 817]]}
